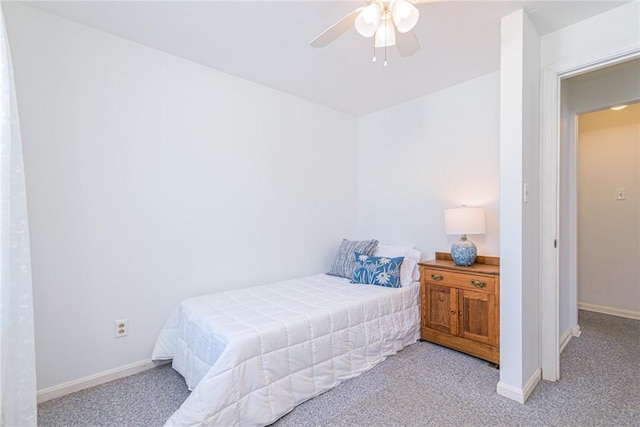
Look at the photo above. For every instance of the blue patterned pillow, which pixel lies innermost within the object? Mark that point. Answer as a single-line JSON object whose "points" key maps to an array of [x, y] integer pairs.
{"points": [[382, 271]]}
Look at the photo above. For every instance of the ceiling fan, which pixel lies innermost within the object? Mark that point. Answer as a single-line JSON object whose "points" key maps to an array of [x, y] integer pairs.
{"points": [[389, 22]]}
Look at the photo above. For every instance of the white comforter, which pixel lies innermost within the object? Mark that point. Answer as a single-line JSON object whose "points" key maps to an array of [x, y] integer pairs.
{"points": [[251, 355]]}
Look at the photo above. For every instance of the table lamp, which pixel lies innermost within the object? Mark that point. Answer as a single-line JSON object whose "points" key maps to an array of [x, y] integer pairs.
{"points": [[464, 221]]}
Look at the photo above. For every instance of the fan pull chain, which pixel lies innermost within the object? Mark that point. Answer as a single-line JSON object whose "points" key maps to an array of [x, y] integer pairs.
{"points": [[374, 48], [386, 32]]}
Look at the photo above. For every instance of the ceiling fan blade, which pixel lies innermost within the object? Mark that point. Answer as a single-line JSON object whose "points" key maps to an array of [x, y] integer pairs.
{"points": [[407, 43], [336, 30]]}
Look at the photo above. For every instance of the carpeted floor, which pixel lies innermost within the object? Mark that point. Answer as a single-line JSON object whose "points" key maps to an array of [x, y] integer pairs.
{"points": [[424, 384]]}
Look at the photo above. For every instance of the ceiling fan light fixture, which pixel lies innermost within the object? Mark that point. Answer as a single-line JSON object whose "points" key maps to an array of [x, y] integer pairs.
{"points": [[405, 15], [368, 20], [379, 19], [619, 107]]}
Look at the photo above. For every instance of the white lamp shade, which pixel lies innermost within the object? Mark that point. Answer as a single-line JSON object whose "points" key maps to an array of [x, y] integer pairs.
{"points": [[405, 15], [368, 20], [386, 35], [464, 221]]}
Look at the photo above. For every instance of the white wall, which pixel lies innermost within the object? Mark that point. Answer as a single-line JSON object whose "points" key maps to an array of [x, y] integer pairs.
{"points": [[605, 34], [151, 179], [421, 157], [609, 229], [530, 209], [519, 227]]}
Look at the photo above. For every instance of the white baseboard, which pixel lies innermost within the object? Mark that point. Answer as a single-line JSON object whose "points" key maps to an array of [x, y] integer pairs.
{"points": [[609, 310], [576, 331], [566, 337], [520, 395], [97, 379]]}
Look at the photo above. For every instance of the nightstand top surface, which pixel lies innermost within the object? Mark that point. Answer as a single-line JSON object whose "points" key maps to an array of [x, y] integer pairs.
{"points": [[483, 264]]}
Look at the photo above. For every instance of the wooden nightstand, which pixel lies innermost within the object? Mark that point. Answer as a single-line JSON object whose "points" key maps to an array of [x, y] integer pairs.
{"points": [[460, 306]]}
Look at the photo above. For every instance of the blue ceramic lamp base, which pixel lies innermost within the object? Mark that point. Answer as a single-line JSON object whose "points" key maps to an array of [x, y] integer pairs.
{"points": [[463, 252]]}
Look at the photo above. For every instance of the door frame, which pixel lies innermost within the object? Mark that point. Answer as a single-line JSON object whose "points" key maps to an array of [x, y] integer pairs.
{"points": [[551, 78]]}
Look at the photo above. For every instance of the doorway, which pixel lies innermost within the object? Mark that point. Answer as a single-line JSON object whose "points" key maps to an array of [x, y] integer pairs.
{"points": [[581, 94], [558, 262], [609, 211]]}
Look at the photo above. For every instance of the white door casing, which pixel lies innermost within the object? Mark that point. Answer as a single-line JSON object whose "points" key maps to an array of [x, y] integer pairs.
{"points": [[552, 74]]}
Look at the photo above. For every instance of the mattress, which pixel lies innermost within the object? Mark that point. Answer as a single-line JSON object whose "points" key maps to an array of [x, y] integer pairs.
{"points": [[250, 355]]}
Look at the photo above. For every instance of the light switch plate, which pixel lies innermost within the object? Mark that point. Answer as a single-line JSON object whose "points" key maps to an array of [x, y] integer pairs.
{"points": [[621, 193]]}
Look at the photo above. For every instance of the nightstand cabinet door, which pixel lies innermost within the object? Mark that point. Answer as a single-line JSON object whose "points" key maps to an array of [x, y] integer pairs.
{"points": [[478, 316], [442, 314]]}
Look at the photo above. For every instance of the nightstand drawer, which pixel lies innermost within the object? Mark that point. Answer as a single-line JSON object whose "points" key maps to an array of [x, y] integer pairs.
{"points": [[475, 282]]}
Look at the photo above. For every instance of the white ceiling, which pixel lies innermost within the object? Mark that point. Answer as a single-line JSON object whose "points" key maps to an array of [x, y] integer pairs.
{"points": [[268, 42]]}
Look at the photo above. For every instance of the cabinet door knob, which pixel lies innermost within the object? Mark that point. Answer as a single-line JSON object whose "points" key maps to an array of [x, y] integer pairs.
{"points": [[478, 283], [437, 276]]}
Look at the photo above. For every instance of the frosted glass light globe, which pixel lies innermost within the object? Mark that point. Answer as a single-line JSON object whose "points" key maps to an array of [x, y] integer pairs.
{"points": [[385, 36], [405, 15], [368, 20]]}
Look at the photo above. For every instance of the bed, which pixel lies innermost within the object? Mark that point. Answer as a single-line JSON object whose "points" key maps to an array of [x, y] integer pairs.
{"points": [[250, 355]]}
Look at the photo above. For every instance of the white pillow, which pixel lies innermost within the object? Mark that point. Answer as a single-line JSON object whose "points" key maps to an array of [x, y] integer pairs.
{"points": [[409, 269]]}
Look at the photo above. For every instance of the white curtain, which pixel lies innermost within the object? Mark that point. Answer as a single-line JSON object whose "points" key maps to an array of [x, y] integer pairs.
{"points": [[17, 350]]}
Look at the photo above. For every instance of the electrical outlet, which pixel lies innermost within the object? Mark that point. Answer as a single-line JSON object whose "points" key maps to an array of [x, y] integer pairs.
{"points": [[121, 328]]}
